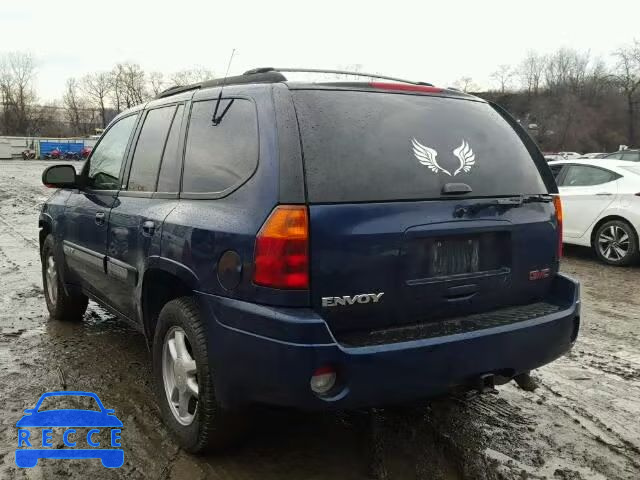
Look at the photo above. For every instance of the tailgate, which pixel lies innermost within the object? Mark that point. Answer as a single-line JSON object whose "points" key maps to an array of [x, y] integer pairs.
{"points": [[418, 208], [378, 265]]}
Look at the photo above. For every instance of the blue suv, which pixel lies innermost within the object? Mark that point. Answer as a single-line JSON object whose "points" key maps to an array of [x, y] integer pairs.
{"points": [[314, 245]]}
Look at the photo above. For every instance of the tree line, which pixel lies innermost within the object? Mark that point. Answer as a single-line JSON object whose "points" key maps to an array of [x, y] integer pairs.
{"points": [[87, 103], [572, 101], [569, 99]]}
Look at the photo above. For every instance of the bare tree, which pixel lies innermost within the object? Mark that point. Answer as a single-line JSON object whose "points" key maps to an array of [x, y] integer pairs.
{"points": [[627, 74], [129, 85], [117, 89], [597, 81], [530, 72], [567, 70], [17, 92], [97, 87], [156, 82], [465, 84], [188, 77], [72, 104], [503, 76]]}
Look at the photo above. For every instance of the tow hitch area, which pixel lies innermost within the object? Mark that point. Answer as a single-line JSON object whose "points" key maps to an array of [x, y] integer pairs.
{"points": [[526, 382], [485, 384]]}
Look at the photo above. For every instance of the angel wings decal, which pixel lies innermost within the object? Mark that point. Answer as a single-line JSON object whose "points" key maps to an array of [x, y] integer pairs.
{"points": [[427, 157]]}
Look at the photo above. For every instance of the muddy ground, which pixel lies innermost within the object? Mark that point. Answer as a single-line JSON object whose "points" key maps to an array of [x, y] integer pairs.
{"points": [[582, 423]]}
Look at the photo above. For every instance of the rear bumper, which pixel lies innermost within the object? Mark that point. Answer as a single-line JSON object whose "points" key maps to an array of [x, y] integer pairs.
{"points": [[267, 355]]}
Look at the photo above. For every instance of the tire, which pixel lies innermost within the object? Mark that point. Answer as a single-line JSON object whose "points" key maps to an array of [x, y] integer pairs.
{"points": [[61, 305], [616, 243], [205, 425]]}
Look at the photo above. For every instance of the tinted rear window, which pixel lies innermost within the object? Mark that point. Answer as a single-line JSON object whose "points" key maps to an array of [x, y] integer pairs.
{"points": [[220, 157], [365, 146]]}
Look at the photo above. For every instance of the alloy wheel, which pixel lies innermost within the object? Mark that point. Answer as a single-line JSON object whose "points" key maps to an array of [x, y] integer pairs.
{"points": [[51, 274], [614, 243], [179, 375]]}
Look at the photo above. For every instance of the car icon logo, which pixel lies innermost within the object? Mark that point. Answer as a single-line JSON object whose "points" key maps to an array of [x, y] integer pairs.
{"points": [[83, 432]]}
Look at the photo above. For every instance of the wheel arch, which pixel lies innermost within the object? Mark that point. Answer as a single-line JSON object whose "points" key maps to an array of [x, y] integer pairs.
{"points": [[163, 281], [45, 224]]}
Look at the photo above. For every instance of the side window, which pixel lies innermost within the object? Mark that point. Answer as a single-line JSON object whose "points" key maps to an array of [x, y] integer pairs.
{"points": [[556, 169], [219, 157], [631, 156], [582, 176], [106, 159], [614, 156], [169, 179], [149, 148]]}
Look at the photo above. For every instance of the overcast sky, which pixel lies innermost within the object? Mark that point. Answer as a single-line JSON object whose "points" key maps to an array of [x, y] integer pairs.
{"points": [[436, 42]]}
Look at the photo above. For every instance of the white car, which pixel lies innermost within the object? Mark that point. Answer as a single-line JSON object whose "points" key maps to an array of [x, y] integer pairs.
{"points": [[601, 206], [550, 157], [569, 155]]}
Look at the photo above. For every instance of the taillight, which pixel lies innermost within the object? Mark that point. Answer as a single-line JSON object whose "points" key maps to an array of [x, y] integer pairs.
{"points": [[282, 249], [405, 87], [557, 203]]}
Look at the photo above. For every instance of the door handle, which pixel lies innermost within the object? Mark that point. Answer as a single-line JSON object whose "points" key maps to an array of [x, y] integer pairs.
{"points": [[100, 218], [604, 194], [148, 228]]}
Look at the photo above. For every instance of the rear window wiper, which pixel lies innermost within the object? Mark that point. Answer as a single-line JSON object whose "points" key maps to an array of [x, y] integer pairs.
{"points": [[502, 204], [537, 198]]}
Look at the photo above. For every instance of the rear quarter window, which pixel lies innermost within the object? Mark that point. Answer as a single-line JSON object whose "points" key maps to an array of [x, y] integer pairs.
{"points": [[220, 157], [369, 146], [584, 176]]}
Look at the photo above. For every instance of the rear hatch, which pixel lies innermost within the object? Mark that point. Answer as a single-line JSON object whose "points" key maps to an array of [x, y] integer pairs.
{"points": [[395, 240]]}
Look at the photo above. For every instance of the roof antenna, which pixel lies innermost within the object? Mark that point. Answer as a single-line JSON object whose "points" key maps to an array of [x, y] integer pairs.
{"points": [[215, 119]]}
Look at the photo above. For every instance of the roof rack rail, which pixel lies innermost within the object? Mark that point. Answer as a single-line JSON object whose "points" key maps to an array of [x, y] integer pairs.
{"points": [[261, 70], [259, 77], [272, 75]]}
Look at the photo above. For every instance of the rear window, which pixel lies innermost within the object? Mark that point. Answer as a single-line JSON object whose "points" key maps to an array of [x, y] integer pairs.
{"points": [[365, 146]]}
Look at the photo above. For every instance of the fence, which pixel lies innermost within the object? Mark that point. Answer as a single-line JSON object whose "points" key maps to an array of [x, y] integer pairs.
{"points": [[46, 146], [12, 147]]}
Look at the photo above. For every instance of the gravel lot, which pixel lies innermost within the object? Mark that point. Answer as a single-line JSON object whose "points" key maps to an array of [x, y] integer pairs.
{"points": [[582, 423]]}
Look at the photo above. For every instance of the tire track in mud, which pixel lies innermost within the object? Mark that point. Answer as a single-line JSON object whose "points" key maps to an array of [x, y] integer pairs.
{"points": [[612, 364], [497, 409], [600, 431], [29, 241]]}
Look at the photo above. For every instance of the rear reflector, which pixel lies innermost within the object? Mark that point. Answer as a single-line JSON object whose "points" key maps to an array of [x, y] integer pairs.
{"points": [[557, 203], [405, 87], [323, 380], [282, 249]]}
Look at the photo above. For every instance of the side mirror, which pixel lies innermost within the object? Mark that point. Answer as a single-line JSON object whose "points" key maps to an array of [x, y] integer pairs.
{"points": [[60, 176]]}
